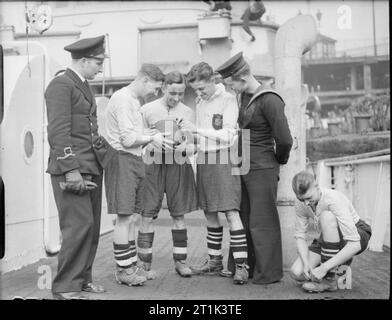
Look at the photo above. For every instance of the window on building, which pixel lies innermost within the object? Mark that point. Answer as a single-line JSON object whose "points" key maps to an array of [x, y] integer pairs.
{"points": [[333, 50], [319, 51], [360, 81], [329, 49], [380, 75], [325, 50]]}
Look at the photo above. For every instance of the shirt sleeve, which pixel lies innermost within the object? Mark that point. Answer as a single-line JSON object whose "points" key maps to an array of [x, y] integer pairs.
{"points": [[127, 130], [230, 118], [144, 112], [273, 109], [301, 222]]}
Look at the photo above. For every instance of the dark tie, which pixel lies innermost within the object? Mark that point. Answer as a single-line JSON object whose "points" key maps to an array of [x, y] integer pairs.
{"points": [[87, 88]]}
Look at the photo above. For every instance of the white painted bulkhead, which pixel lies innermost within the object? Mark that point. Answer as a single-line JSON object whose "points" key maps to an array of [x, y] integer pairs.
{"points": [[366, 180], [31, 217], [22, 160]]}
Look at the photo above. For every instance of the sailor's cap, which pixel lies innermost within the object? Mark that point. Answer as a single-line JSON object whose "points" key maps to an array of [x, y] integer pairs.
{"points": [[231, 66], [88, 48]]}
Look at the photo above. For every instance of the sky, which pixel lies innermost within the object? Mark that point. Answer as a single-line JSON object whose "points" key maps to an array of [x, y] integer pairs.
{"points": [[333, 23]]}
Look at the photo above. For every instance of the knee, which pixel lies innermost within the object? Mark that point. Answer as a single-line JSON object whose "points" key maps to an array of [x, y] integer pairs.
{"points": [[178, 222], [296, 273], [123, 220], [212, 218], [232, 216], [328, 220], [134, 218], [147, 221]]}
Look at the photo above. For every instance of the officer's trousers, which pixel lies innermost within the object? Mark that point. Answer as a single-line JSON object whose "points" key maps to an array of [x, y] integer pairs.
{"points": [[80, 219], [260, 218]]}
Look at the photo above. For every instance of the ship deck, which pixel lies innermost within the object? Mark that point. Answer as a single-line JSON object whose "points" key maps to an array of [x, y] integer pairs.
{"points": [[371, 274]]}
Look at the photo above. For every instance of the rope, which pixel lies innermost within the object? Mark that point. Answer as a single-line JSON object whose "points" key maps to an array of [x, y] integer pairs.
{"points": [[27, 41]]}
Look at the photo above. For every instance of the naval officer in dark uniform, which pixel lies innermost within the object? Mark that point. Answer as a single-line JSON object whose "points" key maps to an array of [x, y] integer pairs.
{"points": [[76, 160], [269, 144]]}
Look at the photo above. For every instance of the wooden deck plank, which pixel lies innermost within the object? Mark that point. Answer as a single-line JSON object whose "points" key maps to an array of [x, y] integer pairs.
{"points": [[371, 274]]}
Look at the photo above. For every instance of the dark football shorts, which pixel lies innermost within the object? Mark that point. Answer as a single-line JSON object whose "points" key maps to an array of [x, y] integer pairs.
{"points": [[177, 181], [364, 232], [124, 183], [217, 188]]}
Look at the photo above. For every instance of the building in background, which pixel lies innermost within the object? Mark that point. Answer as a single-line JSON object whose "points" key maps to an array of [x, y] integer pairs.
{"points": [[337, 78]]}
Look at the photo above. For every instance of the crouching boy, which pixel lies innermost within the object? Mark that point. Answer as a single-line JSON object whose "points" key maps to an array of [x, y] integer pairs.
{"points": [[342, 235]]}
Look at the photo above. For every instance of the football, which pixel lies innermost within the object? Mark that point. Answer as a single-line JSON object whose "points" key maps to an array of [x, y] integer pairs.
{"points": [[170, 127]]}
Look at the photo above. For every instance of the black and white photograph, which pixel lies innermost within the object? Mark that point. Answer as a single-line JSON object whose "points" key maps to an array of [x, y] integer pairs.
{"points": [[195, 155]]}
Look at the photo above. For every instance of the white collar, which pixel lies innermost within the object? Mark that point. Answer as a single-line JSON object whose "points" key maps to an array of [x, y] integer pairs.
{"points": [[78, 74], [220, 88]]}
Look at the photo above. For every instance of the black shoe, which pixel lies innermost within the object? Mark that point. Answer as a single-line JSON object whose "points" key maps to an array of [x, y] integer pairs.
{"points": [[93, 288]]}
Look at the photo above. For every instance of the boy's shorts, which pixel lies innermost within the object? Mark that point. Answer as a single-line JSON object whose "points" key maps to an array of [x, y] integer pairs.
{"points": [[177, 181], [217, 188], [364, 232], [124, 183]]}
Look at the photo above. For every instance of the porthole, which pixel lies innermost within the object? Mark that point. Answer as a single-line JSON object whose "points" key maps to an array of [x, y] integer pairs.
{"points": [[27, 145]]}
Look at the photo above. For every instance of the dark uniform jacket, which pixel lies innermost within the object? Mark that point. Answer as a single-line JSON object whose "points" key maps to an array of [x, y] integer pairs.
{"points": [[72, 127], [270, 138]]}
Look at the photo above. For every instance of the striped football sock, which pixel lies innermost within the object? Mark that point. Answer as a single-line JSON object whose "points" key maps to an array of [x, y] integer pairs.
{"points": [[132, 247], [123, 255], [214, 241], [238, 246], [144, 243], [329, 250], [179, 244]]}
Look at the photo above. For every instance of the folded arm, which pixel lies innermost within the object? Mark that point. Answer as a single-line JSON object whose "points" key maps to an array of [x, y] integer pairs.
{"points": [[273, 109]]}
